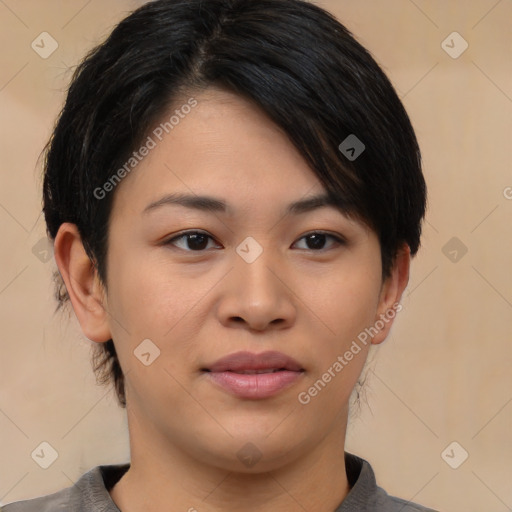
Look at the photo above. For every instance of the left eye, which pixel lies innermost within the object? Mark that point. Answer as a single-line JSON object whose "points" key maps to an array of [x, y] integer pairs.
{"points": [[317, 240]]}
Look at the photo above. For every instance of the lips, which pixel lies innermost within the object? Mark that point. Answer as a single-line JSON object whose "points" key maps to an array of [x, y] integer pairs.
{"points": [[254, 376], [249, 363]]}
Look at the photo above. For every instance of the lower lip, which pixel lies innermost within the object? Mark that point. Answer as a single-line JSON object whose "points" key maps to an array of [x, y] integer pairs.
{"points": [[257, 385]]}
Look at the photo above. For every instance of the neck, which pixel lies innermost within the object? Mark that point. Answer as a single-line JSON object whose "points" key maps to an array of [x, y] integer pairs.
{"points": [[316, 481]]}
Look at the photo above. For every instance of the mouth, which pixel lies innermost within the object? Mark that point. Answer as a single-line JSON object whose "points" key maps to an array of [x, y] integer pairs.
{"points": [[247, 362], [254, 376], [257, 372]]}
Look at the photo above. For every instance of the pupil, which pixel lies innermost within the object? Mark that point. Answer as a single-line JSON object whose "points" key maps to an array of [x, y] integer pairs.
{"points": [[197, 241], [317, 241]]}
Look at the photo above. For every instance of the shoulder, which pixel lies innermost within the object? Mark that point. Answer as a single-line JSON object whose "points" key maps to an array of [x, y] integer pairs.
{"points": [[365, 495], [88, 494], [51, 503], [385, 503]]}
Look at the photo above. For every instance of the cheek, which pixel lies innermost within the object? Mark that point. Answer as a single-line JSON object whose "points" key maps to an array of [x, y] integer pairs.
{"points": [[345, 301], [134, 290], [345, 304], [152, 298]]}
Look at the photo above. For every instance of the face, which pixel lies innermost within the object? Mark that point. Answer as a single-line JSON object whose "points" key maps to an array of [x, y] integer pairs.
{"points": [[291, 287]]}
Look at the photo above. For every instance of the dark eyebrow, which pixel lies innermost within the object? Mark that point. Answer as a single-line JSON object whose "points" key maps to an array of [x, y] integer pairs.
{"points": [[311, 203], [215, 205], [205, 203]]}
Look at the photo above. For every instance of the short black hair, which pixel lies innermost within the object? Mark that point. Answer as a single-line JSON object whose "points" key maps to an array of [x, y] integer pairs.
{"points": [[292, 59]]}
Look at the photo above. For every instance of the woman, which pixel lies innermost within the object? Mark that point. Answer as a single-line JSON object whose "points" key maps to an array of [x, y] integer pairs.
{"points": [[234, 191]]}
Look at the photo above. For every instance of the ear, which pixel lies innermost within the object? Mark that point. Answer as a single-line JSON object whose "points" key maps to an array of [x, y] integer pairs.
{"points": [[82, 283], [391, 293]]}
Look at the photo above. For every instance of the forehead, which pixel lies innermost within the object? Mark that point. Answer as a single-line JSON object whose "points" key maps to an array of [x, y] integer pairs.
{"points": [[224, 147]]}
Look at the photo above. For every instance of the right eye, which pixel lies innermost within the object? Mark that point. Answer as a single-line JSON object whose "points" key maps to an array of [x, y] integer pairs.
{"points": [[191, 241]]}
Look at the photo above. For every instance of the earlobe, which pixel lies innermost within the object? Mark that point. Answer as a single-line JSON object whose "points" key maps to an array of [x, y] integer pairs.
{"points": [[82, 283], [391, 293]]}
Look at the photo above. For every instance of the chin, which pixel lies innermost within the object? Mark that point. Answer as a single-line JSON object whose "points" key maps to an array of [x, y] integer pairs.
{"points": [[253, 450]]}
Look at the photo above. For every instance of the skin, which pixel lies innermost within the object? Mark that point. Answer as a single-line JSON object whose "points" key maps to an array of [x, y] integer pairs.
{"points": [[198, 306]]}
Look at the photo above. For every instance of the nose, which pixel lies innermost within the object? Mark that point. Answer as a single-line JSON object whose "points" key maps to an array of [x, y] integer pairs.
{"points": [[256, 296]]}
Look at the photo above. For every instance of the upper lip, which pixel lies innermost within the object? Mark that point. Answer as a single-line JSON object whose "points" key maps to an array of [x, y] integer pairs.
{"points": [[240, 361]]}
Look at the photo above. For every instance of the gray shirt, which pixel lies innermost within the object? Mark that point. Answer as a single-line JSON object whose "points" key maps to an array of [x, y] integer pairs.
{"points": [[91, 493]]}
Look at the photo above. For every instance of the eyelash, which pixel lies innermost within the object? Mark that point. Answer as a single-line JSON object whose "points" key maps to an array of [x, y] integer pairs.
{"points": [[340, 241]]}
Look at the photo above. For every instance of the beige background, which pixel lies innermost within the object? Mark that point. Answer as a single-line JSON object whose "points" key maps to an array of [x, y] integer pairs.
{"points": [[445, 373]]}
